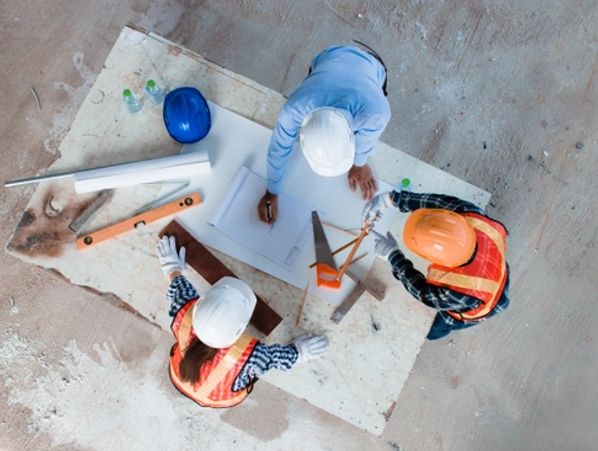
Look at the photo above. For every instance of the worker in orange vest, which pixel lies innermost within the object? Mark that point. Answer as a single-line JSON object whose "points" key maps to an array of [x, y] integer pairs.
{"points": [[214, 362], [468, 279]]}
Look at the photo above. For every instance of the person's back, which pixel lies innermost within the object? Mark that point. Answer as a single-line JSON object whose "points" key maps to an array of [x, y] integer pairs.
{"points": [[214, 361], [468, 280], [345, 82], [343, 77]]}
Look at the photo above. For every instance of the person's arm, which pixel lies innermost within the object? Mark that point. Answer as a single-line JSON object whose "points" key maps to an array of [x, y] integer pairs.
{"points": [[367, 136], [279, 152], [407, 201], [180, 291], [439, 298], [264, 358], [281, 144]]}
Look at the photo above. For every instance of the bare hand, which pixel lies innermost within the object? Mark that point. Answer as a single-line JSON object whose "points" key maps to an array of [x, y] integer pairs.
{"points": [[262, 208], [364, 178]]}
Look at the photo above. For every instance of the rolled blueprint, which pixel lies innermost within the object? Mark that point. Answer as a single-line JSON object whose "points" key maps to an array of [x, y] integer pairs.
{"points": [[180, 166]]}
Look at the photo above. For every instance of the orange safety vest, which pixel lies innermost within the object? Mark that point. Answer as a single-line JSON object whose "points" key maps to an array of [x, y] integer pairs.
{"points": [[216, 376], [485, 276]]}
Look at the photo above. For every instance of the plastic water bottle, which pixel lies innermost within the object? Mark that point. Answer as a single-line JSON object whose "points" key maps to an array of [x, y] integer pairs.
{"points": [[405, 184], [131, 101], [154, 92]]}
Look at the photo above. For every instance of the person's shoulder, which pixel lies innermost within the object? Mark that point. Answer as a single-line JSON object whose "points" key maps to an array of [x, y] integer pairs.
{"points": [[344, 54], [378, 114], [299, 104], [375, 102], [336, 49]]}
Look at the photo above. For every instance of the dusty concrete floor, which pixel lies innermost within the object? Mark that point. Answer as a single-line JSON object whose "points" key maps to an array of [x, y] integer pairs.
{"points": [[502, 94]]}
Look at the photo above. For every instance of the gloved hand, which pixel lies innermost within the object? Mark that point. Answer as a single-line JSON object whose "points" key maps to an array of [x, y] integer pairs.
{"points": [[168, 257], [374, 209], [384, 245], [310, 347]]}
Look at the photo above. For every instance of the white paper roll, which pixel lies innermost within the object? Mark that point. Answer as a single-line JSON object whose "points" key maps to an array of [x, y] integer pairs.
{"points": [[180, 166]]}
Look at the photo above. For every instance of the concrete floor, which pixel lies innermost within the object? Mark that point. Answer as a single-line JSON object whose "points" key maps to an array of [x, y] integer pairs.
{"points": [[502, 94]]}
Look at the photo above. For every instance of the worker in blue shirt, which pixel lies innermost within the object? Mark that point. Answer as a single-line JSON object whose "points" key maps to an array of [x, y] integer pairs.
{"points": [[338, 114]]}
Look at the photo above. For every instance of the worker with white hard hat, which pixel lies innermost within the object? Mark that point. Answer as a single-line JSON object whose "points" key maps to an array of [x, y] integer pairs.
{"points": [[337, 116], [468, 280], [214, 362]]}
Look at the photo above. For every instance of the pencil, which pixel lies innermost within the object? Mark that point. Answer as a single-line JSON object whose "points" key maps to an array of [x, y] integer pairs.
{"points": [[302, 304]]}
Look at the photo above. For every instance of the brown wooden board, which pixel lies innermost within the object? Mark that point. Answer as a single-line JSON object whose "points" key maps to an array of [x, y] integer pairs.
{"points": [[264, 318]]}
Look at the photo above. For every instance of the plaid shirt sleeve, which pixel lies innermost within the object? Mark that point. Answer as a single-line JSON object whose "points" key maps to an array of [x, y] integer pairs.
{"points": [[180, 291], [415, 282], [407, 201], [264, 358]]}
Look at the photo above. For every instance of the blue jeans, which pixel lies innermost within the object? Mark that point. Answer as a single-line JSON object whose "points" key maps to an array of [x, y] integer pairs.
{"points": [[441, 329]]}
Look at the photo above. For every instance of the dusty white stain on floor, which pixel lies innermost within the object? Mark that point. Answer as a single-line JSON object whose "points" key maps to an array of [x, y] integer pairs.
{"points": [[63, 117], [69, 400], [96, 401]]}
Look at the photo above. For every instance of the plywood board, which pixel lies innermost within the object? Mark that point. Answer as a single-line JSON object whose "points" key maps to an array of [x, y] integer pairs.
{"points": [[374, 348], [235, 141]]}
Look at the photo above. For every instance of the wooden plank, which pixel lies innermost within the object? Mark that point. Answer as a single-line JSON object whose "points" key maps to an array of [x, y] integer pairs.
{"points": [[264, 318], [302, 304]]}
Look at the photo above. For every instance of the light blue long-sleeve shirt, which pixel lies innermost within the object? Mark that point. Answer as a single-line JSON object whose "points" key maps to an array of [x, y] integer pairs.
{"points": [[343, 77]]}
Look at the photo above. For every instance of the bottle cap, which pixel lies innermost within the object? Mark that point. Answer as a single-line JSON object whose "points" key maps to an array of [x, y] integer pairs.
{"points": [[151, 83], [127, 93]]}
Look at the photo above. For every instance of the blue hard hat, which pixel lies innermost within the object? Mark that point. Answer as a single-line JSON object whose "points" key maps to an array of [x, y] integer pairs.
{"points": [[186, 115]]}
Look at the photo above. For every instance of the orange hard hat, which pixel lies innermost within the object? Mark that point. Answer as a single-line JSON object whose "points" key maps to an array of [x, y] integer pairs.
{"points": [[441, 236]]}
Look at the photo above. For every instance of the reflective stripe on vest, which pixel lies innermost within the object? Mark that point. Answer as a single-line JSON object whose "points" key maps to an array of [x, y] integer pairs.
{"points": [[466, 279], [215, 389]]}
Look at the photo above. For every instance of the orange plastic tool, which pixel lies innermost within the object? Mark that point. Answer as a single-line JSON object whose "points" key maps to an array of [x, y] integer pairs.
{"points": [[327, 273], [184, 203], [362, 235]]}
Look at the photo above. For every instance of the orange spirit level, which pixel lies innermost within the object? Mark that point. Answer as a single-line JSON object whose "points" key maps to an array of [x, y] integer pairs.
{"points": [[184, 203]]}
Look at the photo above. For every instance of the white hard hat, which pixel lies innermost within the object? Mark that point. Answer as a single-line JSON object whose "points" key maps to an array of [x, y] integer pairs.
{"points": [[328, 142], [221, 316]]}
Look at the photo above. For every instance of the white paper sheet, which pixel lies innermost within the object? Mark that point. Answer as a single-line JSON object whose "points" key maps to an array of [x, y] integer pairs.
{"points": [[280, 242]]}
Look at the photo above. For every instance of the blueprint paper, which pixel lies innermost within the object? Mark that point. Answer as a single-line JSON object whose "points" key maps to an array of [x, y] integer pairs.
{"points": [[280, 242]]}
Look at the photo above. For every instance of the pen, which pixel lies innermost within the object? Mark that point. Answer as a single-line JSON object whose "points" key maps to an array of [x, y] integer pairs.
{"points": [[269, 210]]}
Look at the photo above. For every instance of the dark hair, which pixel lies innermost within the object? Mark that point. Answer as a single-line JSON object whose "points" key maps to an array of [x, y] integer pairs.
{"points": [[195, 355]]}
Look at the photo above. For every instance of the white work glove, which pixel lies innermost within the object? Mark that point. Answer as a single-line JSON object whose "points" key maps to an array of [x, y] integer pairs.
{"points": [[170, 260], [384, 245], [374, 209], [310, 347]]}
